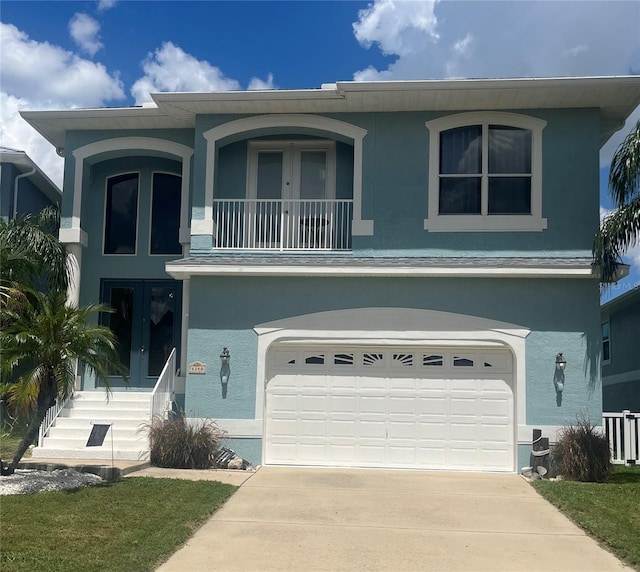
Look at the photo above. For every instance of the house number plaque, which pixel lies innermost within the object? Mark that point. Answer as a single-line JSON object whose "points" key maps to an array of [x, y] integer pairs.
{"points": [[197, 368]]}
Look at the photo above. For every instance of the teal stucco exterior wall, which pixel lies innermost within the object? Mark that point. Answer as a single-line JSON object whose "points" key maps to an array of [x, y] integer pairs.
{"points": [[562, 315], [395, 177]]}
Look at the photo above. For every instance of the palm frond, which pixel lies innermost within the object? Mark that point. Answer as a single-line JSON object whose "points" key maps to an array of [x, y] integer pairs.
{"points": [[618, 231], [624, 174]]}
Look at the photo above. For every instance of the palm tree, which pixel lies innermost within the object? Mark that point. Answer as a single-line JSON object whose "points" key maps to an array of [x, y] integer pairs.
{"points": [[620, 229], [44, 338], [31, 256]]}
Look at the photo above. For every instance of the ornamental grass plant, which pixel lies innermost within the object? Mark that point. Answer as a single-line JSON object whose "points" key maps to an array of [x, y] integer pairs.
{"points": [[582, 452], [178, 444]]}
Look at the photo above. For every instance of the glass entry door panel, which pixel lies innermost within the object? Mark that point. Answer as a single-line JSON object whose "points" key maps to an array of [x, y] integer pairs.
{"points": [[293, 184], [267, 211], [146, 322], [160, 327]]}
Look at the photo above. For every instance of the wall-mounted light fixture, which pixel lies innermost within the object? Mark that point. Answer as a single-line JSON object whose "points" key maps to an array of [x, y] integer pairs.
{"points": [[225, 370], [558, 378]]}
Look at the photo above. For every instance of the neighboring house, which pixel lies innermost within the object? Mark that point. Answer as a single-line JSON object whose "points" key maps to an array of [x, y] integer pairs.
{"points": [[374, 274], [621, 352], [24, 188]]}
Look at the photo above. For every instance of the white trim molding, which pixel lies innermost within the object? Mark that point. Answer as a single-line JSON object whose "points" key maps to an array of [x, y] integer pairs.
{"points": [[484, 222], [236, 428], [525, 433], [73, 236], [313, 122], [150, 144], [182, 271]]}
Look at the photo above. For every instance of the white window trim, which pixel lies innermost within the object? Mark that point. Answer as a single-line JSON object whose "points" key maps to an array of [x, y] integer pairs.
{"points": [[291, 147], [485, 223]]}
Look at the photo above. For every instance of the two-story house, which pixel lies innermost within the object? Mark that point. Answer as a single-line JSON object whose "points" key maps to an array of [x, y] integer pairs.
{"points": [[621, 352], [372, 274], [24, 187]]}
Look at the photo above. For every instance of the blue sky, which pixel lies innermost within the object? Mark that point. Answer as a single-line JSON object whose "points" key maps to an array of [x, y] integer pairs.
{"points": [[66, 54]]}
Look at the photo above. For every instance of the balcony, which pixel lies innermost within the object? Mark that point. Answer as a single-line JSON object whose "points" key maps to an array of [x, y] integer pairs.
{"points": [[283, 225]]}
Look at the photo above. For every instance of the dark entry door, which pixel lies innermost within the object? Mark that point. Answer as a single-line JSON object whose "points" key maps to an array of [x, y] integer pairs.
{"points": [[146, 320]]}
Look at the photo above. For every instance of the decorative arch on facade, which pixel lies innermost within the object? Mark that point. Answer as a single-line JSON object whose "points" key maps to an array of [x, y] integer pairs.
{"points": [[318, 123]]}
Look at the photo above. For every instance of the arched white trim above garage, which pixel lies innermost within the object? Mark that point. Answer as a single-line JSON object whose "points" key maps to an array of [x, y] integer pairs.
{"points": [[395, 327], [314, 122], [149, 144]]}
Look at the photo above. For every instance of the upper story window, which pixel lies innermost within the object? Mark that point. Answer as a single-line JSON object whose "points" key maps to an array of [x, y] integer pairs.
{"points": [[121, 214], [485, 173], [606, 343], [165, 214]]}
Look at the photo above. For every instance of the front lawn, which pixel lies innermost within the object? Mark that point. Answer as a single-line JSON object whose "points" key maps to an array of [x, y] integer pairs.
{"points": [[8, 444], [610, 512], [130, 525]]}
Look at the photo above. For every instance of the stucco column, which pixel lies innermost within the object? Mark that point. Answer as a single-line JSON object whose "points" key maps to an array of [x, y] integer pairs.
{"points": [[74, 265], [74, 261]]}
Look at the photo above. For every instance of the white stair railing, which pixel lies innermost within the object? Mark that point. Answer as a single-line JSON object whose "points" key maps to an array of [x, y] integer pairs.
{"points": [[279, 224], [623, 433], [162, 393], [50, 418]]}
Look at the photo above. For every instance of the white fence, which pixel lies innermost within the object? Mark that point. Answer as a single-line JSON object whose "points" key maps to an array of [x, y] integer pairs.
{"points": [[283, 224], [623, 433]]}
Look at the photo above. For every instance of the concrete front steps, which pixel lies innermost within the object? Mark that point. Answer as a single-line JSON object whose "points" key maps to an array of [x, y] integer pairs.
{"points": [[126, 411]]}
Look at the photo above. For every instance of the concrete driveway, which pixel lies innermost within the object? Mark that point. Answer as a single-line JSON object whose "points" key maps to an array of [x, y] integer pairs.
{"points": [[327, 519]]}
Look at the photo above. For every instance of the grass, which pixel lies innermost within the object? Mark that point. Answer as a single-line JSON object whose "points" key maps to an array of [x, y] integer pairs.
{"points": [[8, 444], [607, 511], [130, 525]]}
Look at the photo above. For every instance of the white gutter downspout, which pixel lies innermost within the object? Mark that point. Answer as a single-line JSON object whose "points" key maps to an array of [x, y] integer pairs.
{"points": [[15, 190]]}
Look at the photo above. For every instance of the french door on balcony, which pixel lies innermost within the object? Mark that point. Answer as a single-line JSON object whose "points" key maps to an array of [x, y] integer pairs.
{"points": [[291, 185], [146, 320]]}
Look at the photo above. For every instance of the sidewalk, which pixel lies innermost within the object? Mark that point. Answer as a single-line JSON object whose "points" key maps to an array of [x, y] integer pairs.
{"points": [[103, 468]]}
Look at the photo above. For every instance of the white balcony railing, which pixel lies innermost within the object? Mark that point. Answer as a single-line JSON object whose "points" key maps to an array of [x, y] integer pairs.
{"points": [[283, 224]]}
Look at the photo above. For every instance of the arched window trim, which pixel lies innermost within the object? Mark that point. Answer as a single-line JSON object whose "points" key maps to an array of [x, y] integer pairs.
{"points": [[484, 222]]}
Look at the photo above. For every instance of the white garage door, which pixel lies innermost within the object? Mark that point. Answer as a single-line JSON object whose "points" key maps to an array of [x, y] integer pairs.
{"points": [[380, 407]]}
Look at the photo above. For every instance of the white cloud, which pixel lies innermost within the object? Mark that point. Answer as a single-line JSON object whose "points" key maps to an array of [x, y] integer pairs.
{"points": [[170, 68], [104, 5], [257, 84], [510, 38], [38, 75], [576, 50], [50, 76], [16, 133], [398, 27], [85, 32]]}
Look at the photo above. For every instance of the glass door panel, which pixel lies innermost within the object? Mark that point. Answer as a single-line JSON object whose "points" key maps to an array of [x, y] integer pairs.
{"points": [[121, 321], [161, 302], [313, 175], [146, 320], [266, 215], [314, 220]]}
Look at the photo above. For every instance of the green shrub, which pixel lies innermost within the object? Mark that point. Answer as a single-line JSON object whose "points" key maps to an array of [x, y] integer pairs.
{"points": [[177, 444], [583, 452]]}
